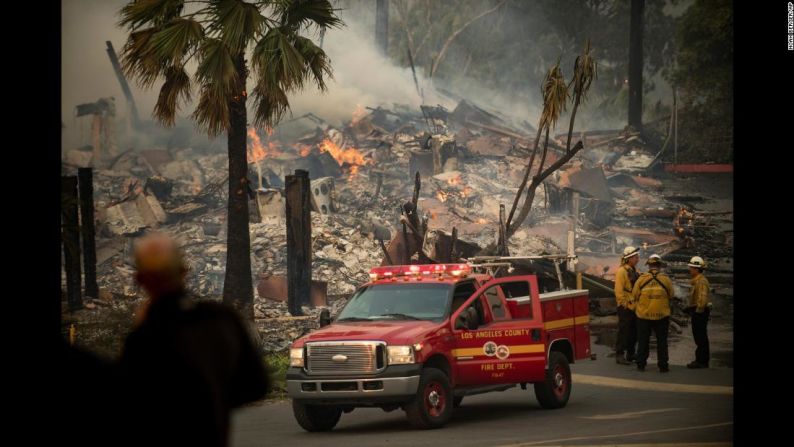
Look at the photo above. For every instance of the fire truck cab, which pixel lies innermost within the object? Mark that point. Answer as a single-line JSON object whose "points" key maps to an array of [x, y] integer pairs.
{"points": [[422, 337]]}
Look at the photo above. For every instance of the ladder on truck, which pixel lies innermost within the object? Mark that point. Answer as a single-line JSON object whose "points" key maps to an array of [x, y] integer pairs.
{"points": [[493, 264]]}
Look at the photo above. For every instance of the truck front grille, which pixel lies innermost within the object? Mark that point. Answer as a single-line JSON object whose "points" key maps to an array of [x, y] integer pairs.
{"points": [[360, 357]]}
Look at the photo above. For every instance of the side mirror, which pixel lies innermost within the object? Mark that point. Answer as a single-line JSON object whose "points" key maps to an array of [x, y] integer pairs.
{"points": [[325, 317]]}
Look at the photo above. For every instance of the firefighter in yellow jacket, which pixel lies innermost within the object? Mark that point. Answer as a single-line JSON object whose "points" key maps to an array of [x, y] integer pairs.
{"points": [[625, 278], [653, 293], [699, 308]]}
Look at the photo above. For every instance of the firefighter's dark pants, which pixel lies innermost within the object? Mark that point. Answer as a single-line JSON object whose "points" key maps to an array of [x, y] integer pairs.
{"points": [[627, 333], [660, 329], [700, 322]]}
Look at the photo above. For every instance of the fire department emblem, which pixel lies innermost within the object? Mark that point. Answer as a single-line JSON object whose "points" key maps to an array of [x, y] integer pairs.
{"points": [[502, 352], [559, 307], [489, 348]]}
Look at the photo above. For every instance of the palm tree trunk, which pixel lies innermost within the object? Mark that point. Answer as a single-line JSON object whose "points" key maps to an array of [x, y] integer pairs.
{"points": [[238, 288], [522, 215], [573, 118], [543, 157], [526, 176], [537, 180]]}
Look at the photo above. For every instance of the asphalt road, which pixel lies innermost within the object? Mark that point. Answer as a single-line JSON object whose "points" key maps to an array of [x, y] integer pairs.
{"points": [[609, 404]]}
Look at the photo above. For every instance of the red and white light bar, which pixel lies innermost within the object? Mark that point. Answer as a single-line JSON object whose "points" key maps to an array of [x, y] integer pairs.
{"points": [[418, 271]]}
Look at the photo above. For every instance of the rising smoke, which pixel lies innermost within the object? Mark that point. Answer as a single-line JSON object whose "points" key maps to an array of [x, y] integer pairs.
{"points": [[362, 75]]}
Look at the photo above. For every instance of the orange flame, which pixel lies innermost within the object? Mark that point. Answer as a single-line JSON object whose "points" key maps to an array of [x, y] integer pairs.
{"points": [[442, 196], [482, 220], [350, 155], [258, 152], [305, 150]]}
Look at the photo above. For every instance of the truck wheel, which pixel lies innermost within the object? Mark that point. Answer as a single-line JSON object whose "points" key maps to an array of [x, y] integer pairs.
{"points": [[457, 401], [556, 389], [316, 417], [431, 407]]}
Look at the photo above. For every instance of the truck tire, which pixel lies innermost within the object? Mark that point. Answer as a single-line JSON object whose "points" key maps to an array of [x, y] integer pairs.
{"points": [[432, 405], [316, 417], [457, 401], [556, 389]]}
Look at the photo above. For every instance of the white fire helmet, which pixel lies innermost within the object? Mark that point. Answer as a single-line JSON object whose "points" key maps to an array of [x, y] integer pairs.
{"points": [[697, 262], [629, 252]]}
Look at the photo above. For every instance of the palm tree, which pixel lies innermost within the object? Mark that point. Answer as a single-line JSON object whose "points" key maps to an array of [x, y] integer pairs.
{"points": [[227, 40], [555, 96]]}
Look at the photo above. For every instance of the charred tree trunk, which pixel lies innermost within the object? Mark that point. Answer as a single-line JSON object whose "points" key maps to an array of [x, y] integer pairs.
{"points": [[382, 26], [238, 289], [453, 246], [526, 175], [635, 64], [537, 180], [71, 241], [502, 246], [86, 185], [299, 241], [407, 253], [386, 256]]}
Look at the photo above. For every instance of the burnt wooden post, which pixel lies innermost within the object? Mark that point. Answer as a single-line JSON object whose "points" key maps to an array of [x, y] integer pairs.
{"points": [[71, 240], [453, 246], [502, 248], [85, 178], [572, 230], [385, 252], [379, 178], [407, 258], [299, 241]]}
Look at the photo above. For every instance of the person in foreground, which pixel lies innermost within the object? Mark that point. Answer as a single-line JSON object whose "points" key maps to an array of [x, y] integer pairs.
{"points": [[186, 363]]}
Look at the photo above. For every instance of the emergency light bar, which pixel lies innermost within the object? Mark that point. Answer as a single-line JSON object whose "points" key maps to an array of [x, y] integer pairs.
{"points": [[418, 271], [458, 270]]}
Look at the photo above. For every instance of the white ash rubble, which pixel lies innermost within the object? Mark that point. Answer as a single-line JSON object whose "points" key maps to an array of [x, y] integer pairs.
{"points": [[470, 161]]}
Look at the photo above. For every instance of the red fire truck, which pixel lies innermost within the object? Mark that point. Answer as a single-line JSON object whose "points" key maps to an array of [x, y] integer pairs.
{"points": [[421, 337]]}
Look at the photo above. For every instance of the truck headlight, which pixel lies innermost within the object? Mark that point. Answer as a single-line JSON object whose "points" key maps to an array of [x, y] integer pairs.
{"points": [[400, 354], [296, 357]]}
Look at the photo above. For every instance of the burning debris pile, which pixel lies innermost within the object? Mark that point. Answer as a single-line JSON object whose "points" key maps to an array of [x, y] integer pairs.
{"points": [[362, 176]]}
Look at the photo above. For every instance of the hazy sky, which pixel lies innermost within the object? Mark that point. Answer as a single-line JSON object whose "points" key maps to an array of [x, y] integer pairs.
{"points": [[361, 75], [86, 73]]}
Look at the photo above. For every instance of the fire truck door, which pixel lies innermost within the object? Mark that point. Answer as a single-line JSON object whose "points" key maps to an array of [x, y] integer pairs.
{"points": [[498, 348]]}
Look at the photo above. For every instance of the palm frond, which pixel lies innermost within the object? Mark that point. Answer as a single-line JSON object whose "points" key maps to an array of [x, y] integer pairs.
{"points": [[175, 39], [584, 71], [555, 96], [175, 87], [138, 13], [139, 61], [316, 61], [270, 104], [212, 111], [216, 69], [296, 14], [276, 60], [238, 22]]}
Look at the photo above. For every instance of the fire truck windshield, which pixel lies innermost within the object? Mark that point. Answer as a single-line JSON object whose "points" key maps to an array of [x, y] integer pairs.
{"points": [[405, 301]]}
